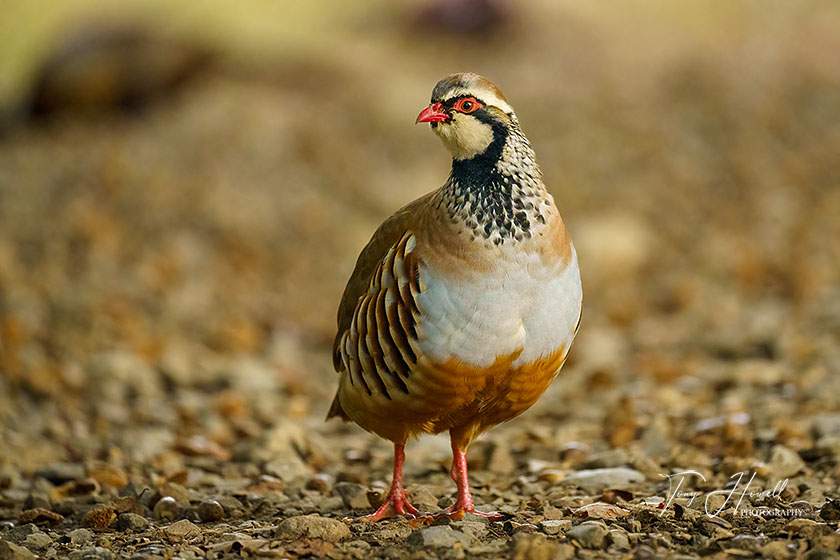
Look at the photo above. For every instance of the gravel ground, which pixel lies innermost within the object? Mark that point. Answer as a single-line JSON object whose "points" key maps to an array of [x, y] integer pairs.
{"points": [[169, 278]]}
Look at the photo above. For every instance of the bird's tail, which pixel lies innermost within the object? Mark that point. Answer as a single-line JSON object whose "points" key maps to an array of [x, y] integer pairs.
{"points": [[336, 410]]}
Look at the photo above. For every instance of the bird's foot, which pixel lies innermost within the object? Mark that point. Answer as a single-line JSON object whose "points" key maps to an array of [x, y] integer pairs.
{"points": [[457, 511], [396, 503]]}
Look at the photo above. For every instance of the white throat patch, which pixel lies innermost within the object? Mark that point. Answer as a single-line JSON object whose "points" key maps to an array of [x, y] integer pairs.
{"points": [[465, 136]]}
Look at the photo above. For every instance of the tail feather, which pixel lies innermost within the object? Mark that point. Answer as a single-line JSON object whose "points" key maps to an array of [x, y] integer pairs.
{"points": [[336, 410]]}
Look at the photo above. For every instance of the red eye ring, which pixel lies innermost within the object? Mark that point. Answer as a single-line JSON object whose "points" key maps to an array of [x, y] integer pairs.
{"points": [[467, 105]]}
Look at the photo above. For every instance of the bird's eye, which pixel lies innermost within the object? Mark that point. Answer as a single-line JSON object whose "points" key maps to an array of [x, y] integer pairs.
{"points": [[467, 105]]}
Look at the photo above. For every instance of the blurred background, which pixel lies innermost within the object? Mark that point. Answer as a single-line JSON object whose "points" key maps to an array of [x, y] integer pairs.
{"points": [[185, 187]]}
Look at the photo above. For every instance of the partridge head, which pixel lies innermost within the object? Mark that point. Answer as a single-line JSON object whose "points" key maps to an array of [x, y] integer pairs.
{"points": [[463, 305]]}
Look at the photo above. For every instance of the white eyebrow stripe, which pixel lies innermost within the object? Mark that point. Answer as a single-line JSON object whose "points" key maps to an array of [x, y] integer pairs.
{"points": [[483, 94]]}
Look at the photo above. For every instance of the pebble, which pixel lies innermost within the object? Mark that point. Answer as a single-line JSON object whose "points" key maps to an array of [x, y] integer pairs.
{"points": [[533, 547], [167, 508], [354, 495], [564, 551], [59, 473], [313, 527], [210, 510], [785, 462], [392, 532], [182, 530], [478, 530], [500, 460], [807, 528], [92, 553], [40, 516], [590, 534], [592, 480], [10, 551], [127, 504], [132, 522], [319, 482], [108, 475], [34, 501], [422, 498], [610, 458], [555, 526], [38, 541], [79, 536], [830, 511], [779, 550], [233, 507], [827, 425], [175, 491], [438, 536], [619, 539], [600, 510], [99, 518]]}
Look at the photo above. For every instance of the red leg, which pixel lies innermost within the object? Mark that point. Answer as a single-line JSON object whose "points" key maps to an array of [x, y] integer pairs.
{"points": [[396, 503], [464, 503]]}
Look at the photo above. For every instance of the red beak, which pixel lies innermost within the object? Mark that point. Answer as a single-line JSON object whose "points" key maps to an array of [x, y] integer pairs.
{"points": [[432, 113]]}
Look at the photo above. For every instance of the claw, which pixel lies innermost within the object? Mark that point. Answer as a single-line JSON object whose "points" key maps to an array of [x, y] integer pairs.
{"points": [[395, 504]]}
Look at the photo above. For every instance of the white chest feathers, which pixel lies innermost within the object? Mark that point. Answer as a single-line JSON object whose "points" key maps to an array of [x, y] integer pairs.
{"points": [[521, 304]]}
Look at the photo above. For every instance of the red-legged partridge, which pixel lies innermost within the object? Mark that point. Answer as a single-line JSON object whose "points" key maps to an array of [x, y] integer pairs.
{"points": [[463, 305]]}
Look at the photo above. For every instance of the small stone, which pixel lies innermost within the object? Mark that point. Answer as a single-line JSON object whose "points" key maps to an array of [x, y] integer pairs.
{"points": [[59, 473], [590, 534], [500, 460], [807, 528], [38, 541], [22, 531], [780, 550], [477, 530], [79, 536], [313, 527], [827, 425], [564, 551], [99, 518], [785, 462], [132, 522], [9, 551], [553, 513], [34, 501], [182, 530], [92, 553], [210, 510], [233, 507], [600, 510], [644, 552], [320, 483], [555, 526], [830, 511], [127, 504], [592, 480], [175, 491], [619, 539], [510, 526], [716, 528], [40, 516], [107, 475], [81, 487], [552, 476], [389, 532], [167, 508], [354, 495], [422, 498], [533, 547], [438, 536]]}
